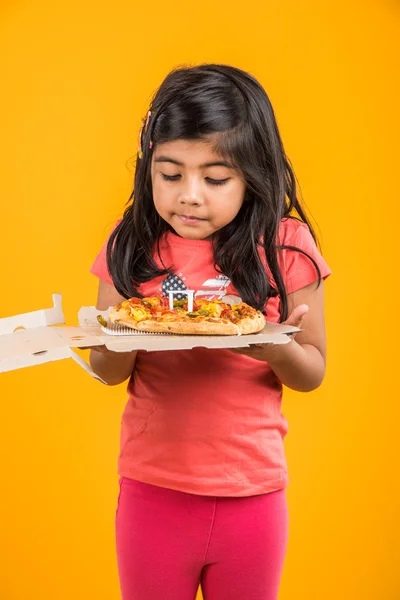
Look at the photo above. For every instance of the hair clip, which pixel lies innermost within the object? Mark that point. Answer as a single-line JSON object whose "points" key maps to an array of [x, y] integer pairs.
{"points": [[144, 127], [148, 119], [140, 151]]}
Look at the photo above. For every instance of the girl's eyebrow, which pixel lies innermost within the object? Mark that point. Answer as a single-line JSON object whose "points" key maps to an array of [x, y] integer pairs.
{"points": [[218, 163]]}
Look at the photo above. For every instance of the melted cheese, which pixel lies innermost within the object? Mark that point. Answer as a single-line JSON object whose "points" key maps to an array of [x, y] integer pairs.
{"points": [[139, 313], [215, 308], [153, 300]]}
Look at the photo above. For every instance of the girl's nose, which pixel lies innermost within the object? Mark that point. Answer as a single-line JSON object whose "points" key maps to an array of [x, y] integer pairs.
{"points": [[191, 193]]}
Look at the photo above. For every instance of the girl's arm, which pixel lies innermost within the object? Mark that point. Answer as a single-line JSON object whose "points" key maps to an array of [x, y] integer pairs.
{"points": [[112, 367], [300, 365]]}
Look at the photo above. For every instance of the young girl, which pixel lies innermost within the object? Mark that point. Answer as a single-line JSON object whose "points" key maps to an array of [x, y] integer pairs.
{"points": [[203, 473]]}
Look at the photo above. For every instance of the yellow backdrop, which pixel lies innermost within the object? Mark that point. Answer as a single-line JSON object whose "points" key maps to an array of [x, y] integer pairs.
{"points": [[77, 78]]}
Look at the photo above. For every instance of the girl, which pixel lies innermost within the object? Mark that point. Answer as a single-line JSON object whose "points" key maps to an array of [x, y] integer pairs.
{"points": [[203, 473]]}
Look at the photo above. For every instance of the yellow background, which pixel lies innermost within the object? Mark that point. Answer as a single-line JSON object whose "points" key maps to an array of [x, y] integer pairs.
{"points": [[76, 79]]}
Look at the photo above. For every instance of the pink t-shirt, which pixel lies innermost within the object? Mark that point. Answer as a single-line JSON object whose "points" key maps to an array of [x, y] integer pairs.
{"points": [[205, 421]]}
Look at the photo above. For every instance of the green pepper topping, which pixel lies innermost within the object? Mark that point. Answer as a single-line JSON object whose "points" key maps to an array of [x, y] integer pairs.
{"points": [[179, 303]]}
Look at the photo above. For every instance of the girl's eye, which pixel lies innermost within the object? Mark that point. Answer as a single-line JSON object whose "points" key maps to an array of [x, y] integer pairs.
{"points": [[208, 179], [170, 177], [217, 181]]}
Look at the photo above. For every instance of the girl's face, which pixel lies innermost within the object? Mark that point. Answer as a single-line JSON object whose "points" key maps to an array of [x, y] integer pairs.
{"points": [[195, 190]]}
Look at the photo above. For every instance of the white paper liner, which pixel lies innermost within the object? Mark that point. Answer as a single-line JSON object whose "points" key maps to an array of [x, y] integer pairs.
{"points": [[115, 329]]}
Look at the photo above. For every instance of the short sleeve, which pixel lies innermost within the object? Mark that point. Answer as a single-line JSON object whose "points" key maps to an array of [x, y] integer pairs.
{"points": [[299, 270], [99, 267]]}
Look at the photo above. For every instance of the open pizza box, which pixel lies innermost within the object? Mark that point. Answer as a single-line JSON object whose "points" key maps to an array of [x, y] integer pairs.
{"points": [[39, 337]]}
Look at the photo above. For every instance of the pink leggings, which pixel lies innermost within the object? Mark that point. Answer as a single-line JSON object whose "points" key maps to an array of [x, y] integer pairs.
{"points": [[169, 543]]}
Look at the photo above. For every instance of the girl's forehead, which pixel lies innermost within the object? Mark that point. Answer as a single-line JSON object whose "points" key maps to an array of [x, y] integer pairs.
{"points": [[190, 153]]}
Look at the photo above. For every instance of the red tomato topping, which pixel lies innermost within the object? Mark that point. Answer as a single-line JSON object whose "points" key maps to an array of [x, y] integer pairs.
{"points": [[165, 301], [195, 306], [227, 314]]}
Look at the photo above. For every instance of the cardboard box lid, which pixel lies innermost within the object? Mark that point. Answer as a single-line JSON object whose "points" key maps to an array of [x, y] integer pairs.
{"points": [[30, 339]]}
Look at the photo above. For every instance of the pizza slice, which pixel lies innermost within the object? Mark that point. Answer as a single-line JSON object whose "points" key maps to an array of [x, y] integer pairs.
{"points": [[208, 317]]}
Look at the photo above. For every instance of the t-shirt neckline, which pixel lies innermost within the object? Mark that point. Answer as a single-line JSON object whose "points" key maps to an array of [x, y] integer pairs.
{"points": [[176, 240]]}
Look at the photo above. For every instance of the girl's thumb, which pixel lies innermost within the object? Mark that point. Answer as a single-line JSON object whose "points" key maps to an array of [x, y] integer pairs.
{"points": [[297, 315]]}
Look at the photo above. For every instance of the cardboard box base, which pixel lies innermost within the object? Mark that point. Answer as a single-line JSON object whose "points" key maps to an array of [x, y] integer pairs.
{"points": [[36, 338]]}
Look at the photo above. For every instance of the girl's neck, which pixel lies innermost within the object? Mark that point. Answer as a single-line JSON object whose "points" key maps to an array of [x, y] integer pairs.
{"points": [[173, 236]]}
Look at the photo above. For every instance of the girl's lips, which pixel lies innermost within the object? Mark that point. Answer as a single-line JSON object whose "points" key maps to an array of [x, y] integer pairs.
{"points": [[190, 220]]}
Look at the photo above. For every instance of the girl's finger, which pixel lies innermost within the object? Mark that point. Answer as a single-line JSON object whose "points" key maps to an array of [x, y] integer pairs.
{"points": [[101, 349], [297, 316]]}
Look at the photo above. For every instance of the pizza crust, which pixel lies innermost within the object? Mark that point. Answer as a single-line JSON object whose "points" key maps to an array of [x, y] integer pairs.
{"points": [[178, 327], [118, 315], [190, 328], [252, 324]]}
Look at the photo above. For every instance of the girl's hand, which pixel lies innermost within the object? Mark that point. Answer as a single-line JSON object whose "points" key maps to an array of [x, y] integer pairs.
{"points": [[261, 351], [112, 367], [299, 365]]}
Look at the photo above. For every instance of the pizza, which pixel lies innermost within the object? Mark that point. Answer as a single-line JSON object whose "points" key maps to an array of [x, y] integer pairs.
{"points": [[208, 317]]}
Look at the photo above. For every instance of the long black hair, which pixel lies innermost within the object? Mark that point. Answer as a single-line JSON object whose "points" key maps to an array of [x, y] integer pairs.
{"points": [[190, 104]]}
